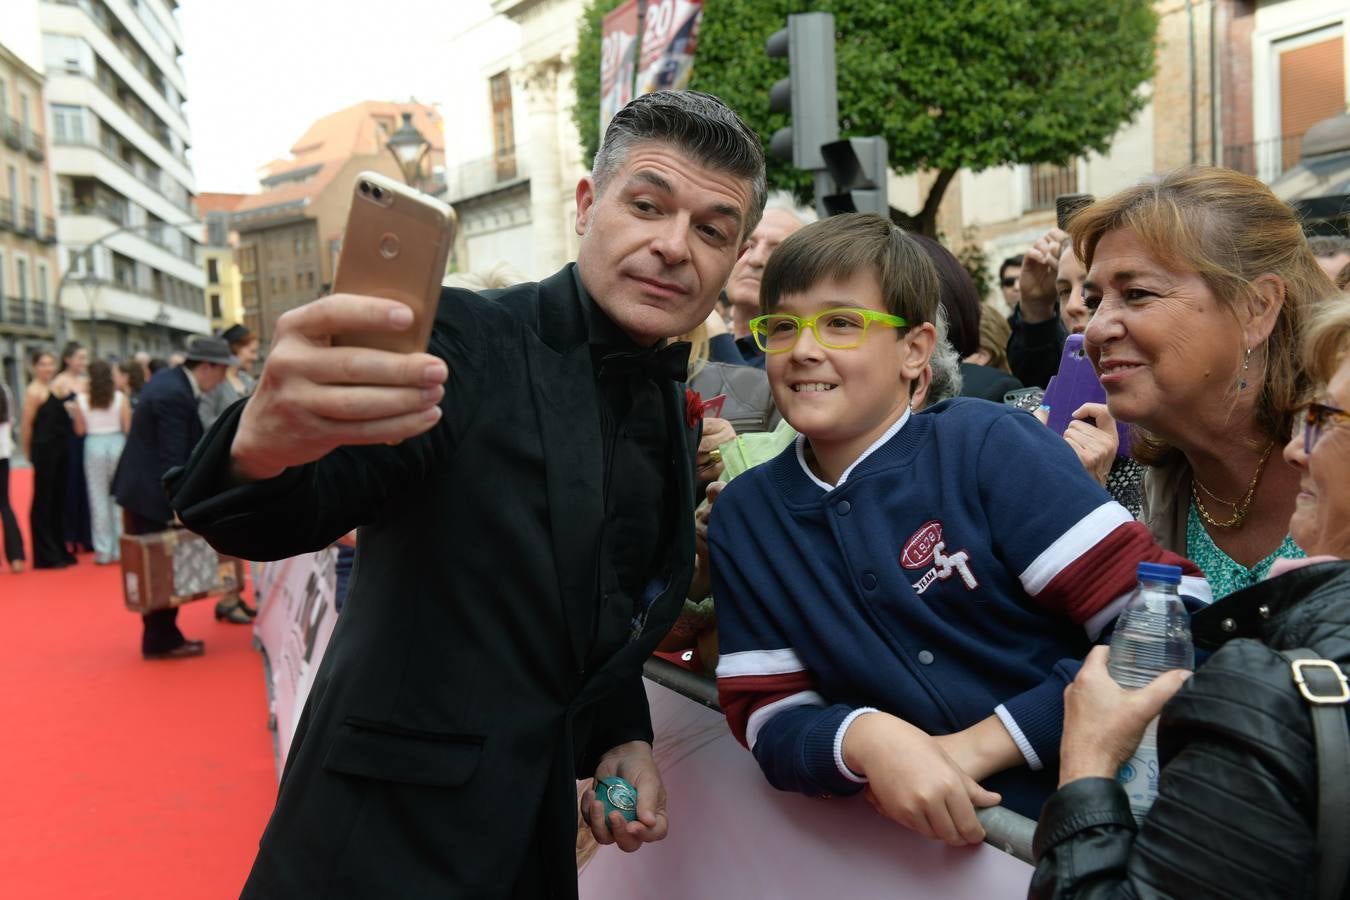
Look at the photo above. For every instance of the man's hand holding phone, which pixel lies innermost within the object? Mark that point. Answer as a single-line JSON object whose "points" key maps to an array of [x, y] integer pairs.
{"points": [[314, 397]]}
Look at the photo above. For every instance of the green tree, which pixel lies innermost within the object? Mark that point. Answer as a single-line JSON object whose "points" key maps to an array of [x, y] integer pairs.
{"points": [[950, 84]]}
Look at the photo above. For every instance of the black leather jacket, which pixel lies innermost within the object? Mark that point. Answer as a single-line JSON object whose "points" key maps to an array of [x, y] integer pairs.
{"points": [[1237, 803]]}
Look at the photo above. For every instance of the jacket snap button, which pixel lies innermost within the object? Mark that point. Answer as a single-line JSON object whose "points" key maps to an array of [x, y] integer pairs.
{"points": [[925, 657], [843, 507], [869, 581], [1264, 611], [1228, 625]]}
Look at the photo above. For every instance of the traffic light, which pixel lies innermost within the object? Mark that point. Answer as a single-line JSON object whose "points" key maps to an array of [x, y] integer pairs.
{"points": [[808, 93], [858, 168]]}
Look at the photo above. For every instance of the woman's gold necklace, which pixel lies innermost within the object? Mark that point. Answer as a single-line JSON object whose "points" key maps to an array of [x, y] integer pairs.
{"points": [[1240, 508]]}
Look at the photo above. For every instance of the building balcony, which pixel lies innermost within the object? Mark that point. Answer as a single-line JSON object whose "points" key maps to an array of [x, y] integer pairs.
{"points": [[26, 311], [1266, 159], [13, 132], [25, 222], [32, 142], [151, 246], [97, 299], [28, 223], [485, 175], [181, 210], [101, 101]]}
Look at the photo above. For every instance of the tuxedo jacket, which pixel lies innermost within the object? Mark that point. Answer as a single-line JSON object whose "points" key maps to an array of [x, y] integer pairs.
{"points": [[438, 750], [165, 427]]}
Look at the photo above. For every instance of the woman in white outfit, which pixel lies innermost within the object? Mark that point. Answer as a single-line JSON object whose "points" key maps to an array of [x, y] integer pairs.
{"points": [[103, 416]]}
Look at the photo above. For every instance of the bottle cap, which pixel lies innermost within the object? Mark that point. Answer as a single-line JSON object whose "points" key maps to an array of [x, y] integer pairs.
{"points": [[1159, 572], [617, 795]]}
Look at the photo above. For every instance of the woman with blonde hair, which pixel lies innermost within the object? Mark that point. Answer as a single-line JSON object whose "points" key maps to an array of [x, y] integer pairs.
{"points": [[1199, 282], [1243, 806]]}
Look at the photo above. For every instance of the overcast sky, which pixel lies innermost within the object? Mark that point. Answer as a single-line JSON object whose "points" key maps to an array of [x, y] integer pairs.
{"points": [[259, 72]]}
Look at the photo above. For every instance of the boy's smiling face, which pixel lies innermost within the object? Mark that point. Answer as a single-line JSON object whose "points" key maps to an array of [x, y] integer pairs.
{"points": [[843, 400]]}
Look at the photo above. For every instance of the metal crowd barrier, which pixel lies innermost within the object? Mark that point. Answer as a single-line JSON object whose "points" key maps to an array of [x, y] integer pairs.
{"points": [[1003, 828]]}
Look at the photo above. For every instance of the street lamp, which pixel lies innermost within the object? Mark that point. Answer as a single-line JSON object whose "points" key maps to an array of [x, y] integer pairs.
{"points": [[409, 148]]}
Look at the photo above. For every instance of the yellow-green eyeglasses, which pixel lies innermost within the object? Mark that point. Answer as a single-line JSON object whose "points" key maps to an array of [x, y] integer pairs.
{"points": [[837, 329]]}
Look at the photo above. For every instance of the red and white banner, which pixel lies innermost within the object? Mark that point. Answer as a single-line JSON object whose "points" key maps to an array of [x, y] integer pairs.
{"points": [[732, 835], [618, 57], [296, 615], [669, 39]]}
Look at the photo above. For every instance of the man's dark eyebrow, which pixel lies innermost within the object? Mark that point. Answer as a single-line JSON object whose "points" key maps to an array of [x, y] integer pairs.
{"points": [[653, 179], [645, 176]]}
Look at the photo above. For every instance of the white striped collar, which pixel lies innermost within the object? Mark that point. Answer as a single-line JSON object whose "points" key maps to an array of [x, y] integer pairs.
{"points": [[890, 433]]}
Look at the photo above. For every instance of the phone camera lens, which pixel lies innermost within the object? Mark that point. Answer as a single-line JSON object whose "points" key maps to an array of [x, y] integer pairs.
{"points": [[365, 187]]}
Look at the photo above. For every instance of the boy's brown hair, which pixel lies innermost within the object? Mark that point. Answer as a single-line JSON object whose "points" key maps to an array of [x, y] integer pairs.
{"points": [[840, 247]]}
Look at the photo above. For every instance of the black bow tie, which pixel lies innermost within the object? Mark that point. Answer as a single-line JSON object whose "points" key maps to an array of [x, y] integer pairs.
{"points": [[671, 361]]}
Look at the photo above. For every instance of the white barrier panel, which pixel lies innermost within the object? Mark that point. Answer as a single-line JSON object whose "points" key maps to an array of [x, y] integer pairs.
{"points": [[295, 620], [734, 836]]}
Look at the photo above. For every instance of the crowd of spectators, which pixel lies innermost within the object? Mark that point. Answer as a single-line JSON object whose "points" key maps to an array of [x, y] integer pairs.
{"points": [[905, 595]]}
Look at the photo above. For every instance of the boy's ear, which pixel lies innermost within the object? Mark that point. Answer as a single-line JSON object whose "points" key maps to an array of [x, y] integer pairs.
{"points": [[916, 349]]}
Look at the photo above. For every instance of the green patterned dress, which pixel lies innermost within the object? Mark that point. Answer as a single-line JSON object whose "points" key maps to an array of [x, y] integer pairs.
{"points": [[1223, 574]]}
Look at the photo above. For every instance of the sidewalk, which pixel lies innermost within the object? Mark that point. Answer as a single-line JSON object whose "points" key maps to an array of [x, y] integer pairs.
{"points": [[122, 778]]}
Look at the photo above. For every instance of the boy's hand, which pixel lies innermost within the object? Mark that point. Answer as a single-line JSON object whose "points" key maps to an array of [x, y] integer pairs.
{"points": [[983, 749], [715, 433], [913, 782], [634, 762]]}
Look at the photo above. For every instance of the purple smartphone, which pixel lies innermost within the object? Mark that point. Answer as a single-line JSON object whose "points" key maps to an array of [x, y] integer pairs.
{"points": [[1074, 384]]}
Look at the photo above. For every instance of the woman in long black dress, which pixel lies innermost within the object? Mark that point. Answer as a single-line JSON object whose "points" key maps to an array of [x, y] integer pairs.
{"points": [[46, 437], [73, 378]]}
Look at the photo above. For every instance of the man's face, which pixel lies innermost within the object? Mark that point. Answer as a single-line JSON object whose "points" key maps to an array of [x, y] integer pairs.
{"points": [[658, 244], [209, 375], [1008, 281], [743, 287]]}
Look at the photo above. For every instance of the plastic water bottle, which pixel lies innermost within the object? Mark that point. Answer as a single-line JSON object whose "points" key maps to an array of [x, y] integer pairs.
{"points": [[1153, 635]]}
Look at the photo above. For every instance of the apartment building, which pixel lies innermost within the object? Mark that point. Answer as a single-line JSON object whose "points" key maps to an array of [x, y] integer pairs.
{"points": [[119, 138], [224, 302], [516, 156], [290, 232], [1238, 84], [28, 257]]}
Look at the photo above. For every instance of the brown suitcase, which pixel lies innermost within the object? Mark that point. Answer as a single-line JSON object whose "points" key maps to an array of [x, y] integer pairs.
{"points": [[170, 568]]}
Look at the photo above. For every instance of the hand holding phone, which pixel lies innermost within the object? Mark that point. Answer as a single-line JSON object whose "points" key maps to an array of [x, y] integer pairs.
{"points": [[395, 245], [314, 397], [1075, 384]]}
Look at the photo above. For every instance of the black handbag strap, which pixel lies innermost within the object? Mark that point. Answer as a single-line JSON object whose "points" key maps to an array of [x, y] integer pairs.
{"points": [[1323, 685]]}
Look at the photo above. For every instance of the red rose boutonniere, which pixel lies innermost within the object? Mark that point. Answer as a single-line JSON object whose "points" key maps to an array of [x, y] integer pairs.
{"points": [[693, 408]]}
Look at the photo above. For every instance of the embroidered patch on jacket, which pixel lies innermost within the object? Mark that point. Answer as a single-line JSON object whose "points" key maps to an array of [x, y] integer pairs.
{"points": [[927, 548]]}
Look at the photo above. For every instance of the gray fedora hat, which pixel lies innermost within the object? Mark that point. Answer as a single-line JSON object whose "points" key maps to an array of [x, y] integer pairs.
{"points": [[211, 350]]}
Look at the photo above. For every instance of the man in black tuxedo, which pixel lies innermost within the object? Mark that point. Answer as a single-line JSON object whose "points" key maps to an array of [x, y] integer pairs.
{"points": [[525, 533], [165, 426]]}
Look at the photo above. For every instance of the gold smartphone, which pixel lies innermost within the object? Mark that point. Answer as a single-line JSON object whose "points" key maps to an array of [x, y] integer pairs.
{"points": [[396, 244]]}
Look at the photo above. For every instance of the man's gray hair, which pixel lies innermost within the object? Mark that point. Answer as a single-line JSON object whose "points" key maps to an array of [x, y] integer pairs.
{"points": [[700, 126], [946, 365], [785, 202], [1328, 245]]}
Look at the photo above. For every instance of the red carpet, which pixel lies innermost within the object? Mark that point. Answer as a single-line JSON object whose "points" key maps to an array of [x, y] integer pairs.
{"points": [[123, 778]]}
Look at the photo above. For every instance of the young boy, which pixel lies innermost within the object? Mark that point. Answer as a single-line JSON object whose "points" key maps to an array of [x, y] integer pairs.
{"points": [[901, 597]]}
